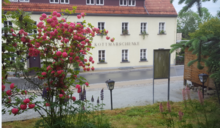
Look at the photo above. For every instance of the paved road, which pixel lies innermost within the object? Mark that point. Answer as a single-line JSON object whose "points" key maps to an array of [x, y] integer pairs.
{"points": [[117, 76]]}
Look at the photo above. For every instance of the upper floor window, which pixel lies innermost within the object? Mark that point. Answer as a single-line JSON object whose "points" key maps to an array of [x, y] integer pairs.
{"points": [[161, 28], [124, 28], [54, 1], [24, 0], [90, 2], [64, 1], [101, 25], [99, 2], [127, 2], [123, 2], [143, 28], [131, 2], [13, 0]]}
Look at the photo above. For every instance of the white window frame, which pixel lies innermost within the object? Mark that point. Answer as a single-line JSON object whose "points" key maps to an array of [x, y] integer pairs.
{"points": [[142, 54], [34, 29], [99, 2], [90, 2], [123, 57], [142, 27], [101, 55], [24, 0], [163, 27], [13, 0], [65, 2], [100, 26], [54, 2], [7, 25], [10, 58], [131, 2], [123, 27], [123, 3]]}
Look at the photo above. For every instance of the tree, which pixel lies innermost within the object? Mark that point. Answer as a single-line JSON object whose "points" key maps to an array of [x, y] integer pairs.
{"points": [[205, 42], [189, 21], [190, 3]]}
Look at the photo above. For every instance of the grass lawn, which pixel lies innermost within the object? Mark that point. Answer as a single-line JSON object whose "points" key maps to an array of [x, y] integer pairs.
{"points": [[148, 116]]}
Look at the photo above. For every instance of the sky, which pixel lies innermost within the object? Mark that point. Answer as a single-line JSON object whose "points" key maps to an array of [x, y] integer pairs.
{"points": [[212, 7]]}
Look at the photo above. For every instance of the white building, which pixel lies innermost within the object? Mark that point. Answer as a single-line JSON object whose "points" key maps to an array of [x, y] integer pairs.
{"points": [[128, 50]]}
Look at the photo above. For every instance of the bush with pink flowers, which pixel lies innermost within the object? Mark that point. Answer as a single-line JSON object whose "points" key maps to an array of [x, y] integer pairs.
{"points": [[61, 45]]}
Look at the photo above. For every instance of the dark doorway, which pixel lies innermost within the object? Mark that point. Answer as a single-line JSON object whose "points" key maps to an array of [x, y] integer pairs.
{"points": [[34, 62]]}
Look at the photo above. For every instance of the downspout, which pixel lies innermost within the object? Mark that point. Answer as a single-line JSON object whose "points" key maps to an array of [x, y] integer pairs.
{"points": [[145, 7]]}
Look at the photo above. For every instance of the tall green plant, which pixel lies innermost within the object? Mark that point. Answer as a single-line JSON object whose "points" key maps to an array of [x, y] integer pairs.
{"points": [[205, 42]]}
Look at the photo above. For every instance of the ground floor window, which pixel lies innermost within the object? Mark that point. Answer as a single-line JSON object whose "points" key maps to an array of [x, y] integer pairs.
{"points": [[143, 55], [101, 56], [124, 55]]}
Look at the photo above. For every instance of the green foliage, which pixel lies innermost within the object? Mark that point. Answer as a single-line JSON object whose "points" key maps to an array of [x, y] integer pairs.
{"points": [[144, 33], [189, 3], [189, 21], [205, 42]]}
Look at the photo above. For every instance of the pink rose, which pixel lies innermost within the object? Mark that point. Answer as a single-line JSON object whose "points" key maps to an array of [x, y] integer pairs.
{"points": [[8, 92], [43, 73], [12, 86], [26, 101], [23, 106], [3, 87], [47, 104], [77, 86], [60, 95], [44, 15], [87, 84], [14, 110], [79, 16], [83, 14], [59, 53], [58, 15], [31, 106], [74, 98]]}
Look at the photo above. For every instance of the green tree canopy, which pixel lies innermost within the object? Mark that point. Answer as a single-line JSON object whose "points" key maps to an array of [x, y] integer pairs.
{"points": [[205, 41], [190, 3], [189, 21]]}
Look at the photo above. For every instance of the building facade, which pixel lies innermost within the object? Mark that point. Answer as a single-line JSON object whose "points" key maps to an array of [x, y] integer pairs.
{"points": [[126, 21]]}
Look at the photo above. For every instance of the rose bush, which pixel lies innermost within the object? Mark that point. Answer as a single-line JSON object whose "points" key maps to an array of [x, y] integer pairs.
{"points": [[60, 44]]}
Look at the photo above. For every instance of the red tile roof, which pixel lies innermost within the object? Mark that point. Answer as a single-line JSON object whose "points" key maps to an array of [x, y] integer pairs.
{"points": [[160, 7]]}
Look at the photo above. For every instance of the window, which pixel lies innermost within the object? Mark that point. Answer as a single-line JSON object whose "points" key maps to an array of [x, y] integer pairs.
{"points": [[143, 28], [13, 0], [99, 2], [131, 2], [64, 1], [101, 55], [123, 2], [124, 28], [101, 25], [143, 55], [24, 0], [90, 2], [7, 26], [54, 1], [124, 55], [12, 56], [34, 31], [161, 28]]}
